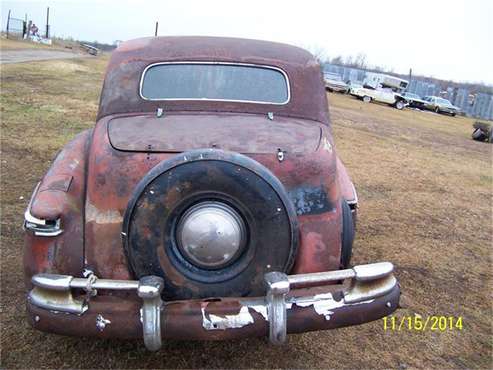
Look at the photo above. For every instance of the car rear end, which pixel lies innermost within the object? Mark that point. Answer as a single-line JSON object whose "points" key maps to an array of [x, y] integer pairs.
{"points": [[201, 216]]}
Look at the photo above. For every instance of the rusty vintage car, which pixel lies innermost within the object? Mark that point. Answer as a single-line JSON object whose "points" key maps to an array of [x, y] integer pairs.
{"points": [[207, 203]]}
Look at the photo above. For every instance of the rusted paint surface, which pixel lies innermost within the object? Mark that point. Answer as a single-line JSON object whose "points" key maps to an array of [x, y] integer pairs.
{"points": [[345, 183], [121, 86], [184, 320], [60, 195], [113, 175], [242, 133]]}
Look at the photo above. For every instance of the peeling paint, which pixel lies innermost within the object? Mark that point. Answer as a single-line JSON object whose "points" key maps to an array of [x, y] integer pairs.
{"points": [[102, 217], [261, 309], [310, 200], [323, 304], [214, 322]]}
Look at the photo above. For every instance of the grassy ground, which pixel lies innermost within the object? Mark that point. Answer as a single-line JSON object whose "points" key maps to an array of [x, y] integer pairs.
{"points": [[426, 204]]}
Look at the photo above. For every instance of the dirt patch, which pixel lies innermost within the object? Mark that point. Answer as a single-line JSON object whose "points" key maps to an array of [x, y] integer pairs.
{"points": [[426, 204]]}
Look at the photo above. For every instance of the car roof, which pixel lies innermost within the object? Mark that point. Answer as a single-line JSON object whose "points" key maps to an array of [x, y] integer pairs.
{"points": [[121, 86]]}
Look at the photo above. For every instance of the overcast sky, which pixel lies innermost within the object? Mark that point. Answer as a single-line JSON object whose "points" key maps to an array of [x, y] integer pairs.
{"points": [[450, 39]]}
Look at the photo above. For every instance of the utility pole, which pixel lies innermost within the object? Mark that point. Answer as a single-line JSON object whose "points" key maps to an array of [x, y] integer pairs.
{"points": [[155, 32], [8, 21], [47, 35], [24, 27]]}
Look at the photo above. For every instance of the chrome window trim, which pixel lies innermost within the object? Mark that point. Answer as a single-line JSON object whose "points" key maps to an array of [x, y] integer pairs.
{"points": [[286, 79]]}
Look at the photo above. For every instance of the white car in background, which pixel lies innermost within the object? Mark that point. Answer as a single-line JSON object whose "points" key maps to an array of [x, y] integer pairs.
{"points": [[354, 86], [334, 82], [381, 95]]}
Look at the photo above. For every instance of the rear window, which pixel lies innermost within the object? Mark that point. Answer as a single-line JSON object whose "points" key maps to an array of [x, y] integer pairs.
{"points": [[214, 81]]}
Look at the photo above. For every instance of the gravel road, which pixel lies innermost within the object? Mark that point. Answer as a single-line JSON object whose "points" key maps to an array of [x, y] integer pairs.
{"points": [[28, 55]]}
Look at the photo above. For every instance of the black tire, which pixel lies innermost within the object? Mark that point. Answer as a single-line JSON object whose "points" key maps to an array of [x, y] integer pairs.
{"points": [[347, 235], [163, 196], [400, 105], [437, 110], [366, 99], [478, 135]]}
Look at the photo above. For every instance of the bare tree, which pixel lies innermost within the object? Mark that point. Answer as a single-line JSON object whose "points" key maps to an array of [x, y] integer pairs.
{"points": [[319, 53], [360, 61], [349, 61], [337, 60]]}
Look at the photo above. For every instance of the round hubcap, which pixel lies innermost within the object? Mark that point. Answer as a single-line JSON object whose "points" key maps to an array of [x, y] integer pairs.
{"points": [[211, 234]]}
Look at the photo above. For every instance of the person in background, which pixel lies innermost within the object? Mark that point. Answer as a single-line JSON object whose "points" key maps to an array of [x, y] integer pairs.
{"points": [[34, 30]]}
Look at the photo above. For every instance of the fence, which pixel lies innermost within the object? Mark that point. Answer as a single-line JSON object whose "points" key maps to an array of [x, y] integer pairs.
{"points": [[16, 27]]}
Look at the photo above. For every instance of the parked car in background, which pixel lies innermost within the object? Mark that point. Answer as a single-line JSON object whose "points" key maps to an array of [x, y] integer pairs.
{"points": [[381, 95], [334, 82], [207, 202], [440, 105], [353, 86], [414, 100]]}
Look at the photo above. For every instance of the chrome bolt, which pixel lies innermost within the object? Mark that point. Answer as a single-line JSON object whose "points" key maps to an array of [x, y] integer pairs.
{"points": [[101, 322]]}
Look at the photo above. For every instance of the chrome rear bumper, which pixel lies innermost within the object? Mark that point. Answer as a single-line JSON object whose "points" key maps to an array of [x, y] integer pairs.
{"points": [[293, 303]]}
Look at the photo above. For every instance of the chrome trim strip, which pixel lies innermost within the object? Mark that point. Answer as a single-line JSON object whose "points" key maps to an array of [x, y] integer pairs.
{"points": [[106, 284], [45, 230], [52, 281], [354, 201], [373, 271], [365, 290], [366, 272], [286, 79], [28, 217]]}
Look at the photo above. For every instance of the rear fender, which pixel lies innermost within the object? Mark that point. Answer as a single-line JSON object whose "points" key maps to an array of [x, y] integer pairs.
{"points": [[58, 200], [348, 190]]}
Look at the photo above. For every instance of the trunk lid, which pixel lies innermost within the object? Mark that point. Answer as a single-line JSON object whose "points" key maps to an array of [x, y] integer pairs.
{"points": [[239, 133]]}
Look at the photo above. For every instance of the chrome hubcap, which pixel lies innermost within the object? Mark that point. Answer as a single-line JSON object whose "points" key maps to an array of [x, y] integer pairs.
{"points": [[211, 234]]}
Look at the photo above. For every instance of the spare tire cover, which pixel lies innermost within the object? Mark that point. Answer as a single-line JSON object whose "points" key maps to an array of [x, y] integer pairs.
{"points": [[210, 176]]}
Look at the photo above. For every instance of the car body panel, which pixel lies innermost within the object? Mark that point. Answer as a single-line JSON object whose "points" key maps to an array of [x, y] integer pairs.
{"points": [[60, 195], [379, 95], [243, 133]]}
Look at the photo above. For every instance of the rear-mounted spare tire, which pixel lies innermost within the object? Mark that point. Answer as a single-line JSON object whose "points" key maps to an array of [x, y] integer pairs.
{"points": [[211, 223]]}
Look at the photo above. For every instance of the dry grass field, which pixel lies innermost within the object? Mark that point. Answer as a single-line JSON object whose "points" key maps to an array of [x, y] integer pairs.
{"points": [[19, 44], [11, 44], [426, 204]]}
